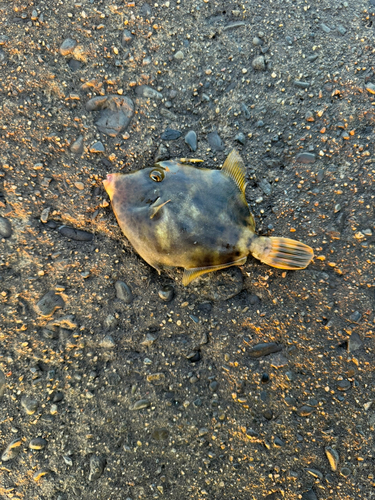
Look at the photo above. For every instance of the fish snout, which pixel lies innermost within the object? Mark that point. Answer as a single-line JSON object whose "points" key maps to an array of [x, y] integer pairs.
{"points": [[109, 184]]}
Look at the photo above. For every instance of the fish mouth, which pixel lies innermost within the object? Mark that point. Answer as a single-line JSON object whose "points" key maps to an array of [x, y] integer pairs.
{"points": [[109, 185]]}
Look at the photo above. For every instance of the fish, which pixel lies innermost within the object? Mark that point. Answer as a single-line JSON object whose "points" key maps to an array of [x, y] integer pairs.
{"points": [[180, 215]]}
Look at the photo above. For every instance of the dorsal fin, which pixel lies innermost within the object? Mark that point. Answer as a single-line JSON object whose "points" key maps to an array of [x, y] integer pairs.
{"points": [[235, 169]]}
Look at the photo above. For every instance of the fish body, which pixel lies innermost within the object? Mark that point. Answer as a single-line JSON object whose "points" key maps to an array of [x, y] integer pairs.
{"points": [[177, 215]]}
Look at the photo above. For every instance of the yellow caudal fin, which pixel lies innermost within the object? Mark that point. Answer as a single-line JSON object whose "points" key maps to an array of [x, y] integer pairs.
{"points": [[282, 253]]}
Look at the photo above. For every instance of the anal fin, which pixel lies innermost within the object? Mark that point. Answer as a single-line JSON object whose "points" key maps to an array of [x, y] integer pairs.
{"points": [[282, 253], [191, 274]]}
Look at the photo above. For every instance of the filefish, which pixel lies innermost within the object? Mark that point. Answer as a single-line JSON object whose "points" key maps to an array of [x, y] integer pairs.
{"points": [[179, 215]]}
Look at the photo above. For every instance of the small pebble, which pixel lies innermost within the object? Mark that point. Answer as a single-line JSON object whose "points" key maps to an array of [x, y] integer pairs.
{"points": [[166, 293], [215, 142], [305, 411], [75, 234], [264, 349], [266, 187], [170, 134], [29, 404], [355, 317], [354, 342], [97, 465], [257, 41], [44, 215], [299, 83], [97, 147], [12, 450], [333, 458], [123, 292], [141, 404], [149, 92], [309, 495], [194, 356], [343, 385], [126, 37], [240, 137], [77, 146], [115, 114], [37, 443], [48, 304], [259, 63], [40, 473], [305, 158], [107, 342], [68, 460], [245, 111], [67, 46], [179, 55], [57, 397], [5, 228], [191, 140]]}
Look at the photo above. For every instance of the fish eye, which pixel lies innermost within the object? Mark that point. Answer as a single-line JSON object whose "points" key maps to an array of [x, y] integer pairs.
{"points": [[156, 176]]}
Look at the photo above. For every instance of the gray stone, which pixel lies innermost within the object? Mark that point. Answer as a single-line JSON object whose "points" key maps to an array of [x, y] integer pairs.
{"points": [[354, 342], [107, 342], [149, 92], [123, 292], [240, 137], [305, 158], [5, 228], [77, 146], [67, 47], [115, 113], [97, 147], [166, 293], [48, 304], [12, 450], [309, 495], [126, 37], [75, 234], [29, 404], [264, 349], [266, 187], [37, 443], [141, 404], [215, 142], [191, 140], [97, 465], [259, 63]]}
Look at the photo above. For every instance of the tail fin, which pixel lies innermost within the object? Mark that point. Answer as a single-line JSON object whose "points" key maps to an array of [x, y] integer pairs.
{"points": [[282, 253]]}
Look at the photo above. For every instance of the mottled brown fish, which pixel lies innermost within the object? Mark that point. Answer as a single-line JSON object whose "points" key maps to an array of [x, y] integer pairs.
{"points": [[179, 215]]}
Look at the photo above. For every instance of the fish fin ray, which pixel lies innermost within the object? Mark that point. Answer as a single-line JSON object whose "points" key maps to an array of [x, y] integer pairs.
{"points": [[155, 209], [235, 169], [282, 253], [191, 274]]}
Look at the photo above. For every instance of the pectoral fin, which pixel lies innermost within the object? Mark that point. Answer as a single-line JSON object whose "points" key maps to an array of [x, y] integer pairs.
{"points": [[191, 274]]}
